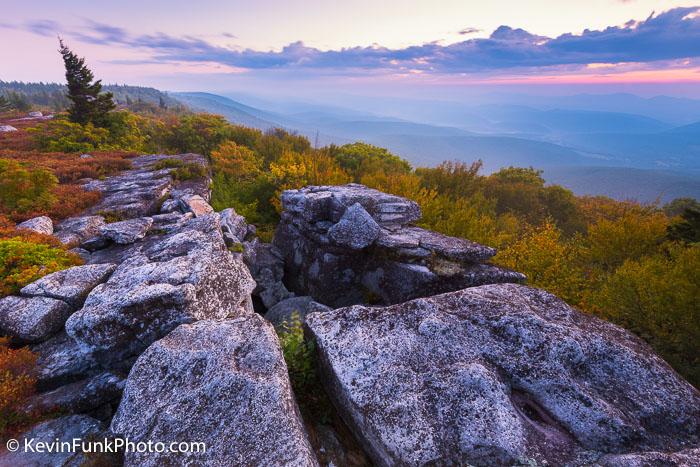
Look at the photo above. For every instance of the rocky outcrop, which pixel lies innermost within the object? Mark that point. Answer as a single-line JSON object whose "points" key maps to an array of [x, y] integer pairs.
{"points": [[41, 224], [163, 281], [7, 128], [492, 374], [350, 244], [223, 383], [144, 276]]}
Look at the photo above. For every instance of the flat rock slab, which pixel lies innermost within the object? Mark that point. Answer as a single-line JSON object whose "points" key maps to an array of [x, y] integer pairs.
{"points": [[63, 429], [42, 225], [128, 231], [30, 320], [489, 375], [451, 248], [223, 383], [79, 397], [70, 285]]}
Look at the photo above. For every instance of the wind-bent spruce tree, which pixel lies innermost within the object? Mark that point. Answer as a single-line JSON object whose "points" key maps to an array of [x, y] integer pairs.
{"points": [[90, 104]]}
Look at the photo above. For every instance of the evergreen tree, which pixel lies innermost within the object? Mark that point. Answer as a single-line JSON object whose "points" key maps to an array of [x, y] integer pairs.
{"points": [[90, 105], [4, 103]]}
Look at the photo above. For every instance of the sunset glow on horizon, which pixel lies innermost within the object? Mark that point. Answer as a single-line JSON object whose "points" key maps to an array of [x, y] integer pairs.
{"points": [[227, 47]]}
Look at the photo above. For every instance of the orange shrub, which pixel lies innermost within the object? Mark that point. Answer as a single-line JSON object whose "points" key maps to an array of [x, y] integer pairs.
{"points": [[17, 383]]}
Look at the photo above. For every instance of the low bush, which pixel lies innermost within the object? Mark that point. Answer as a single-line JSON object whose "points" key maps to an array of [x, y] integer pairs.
{"points": [[17, 383], [23, 261]]}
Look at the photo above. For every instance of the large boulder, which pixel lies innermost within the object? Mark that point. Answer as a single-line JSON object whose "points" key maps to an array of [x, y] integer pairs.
{"points": [[489, 375], [223, 383], [30, 320], [71, 285], [128, 231], [60, 430], [350, 244], [41, 224], [184, 276]]}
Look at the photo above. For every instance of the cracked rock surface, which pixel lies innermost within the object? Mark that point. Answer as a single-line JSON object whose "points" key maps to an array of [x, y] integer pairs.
{"points": [[492, 374]]}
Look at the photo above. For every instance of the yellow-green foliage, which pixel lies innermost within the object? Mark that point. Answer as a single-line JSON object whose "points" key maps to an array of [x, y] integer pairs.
{"points": [[23, 262], [23, 189], [656, 297], [123, 132], [299, 354]]}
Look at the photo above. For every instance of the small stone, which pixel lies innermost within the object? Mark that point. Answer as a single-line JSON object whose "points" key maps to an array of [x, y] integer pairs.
{"points": [[30, 320], [356, 229], [282, 312], [196, 205], [42, 225], [7, 128]]}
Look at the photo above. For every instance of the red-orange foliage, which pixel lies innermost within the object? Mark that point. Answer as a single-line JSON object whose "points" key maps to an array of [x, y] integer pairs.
{"points": [[17, 383]]}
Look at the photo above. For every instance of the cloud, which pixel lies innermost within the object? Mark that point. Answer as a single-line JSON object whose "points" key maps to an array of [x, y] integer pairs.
{"points": [[671, 35], [43, 27], [467, 31]]}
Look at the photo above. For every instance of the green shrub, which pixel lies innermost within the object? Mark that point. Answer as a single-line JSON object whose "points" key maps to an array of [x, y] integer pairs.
{"points": [[183, 170], [22, 262]]}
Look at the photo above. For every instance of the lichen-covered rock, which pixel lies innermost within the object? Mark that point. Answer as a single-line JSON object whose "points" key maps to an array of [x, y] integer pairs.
{"points": [[350, 244], [184, 276], [7, 128], [61, 430], [223, 383], [75, 230], [170, 205], [282, 311], [79, 397], [356, 229], [41, 224], [489, 375], [195, 204], [61, 360], [71, 285], [30, 320], [128, 231], [685, 458]]}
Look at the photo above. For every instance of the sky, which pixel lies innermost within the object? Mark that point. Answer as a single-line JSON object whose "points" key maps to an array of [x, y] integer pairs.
{"points": [[421, 48]]}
